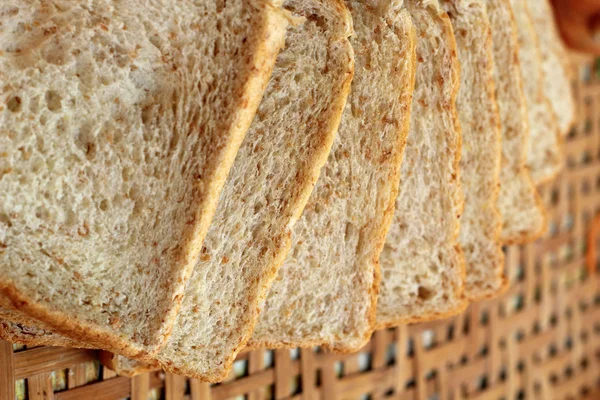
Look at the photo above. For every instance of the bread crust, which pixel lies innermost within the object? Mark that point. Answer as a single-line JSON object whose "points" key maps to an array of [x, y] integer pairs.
{"points": [[264, 47]]}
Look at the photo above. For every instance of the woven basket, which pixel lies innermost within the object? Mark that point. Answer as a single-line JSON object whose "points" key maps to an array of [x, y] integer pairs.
{"points": [[541, 340]]}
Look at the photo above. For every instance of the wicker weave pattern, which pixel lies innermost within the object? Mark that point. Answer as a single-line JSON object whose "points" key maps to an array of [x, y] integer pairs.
{"points": [[541, 340]]}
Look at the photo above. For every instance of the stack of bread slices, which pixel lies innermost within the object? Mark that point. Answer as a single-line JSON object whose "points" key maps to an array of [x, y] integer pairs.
{"points": [[180, 180]]}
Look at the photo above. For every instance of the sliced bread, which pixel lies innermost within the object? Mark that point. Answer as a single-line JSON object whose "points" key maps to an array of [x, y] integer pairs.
{"points": [[523, 215], [555, 63], [326, 291], [120, 121], [422, 264], [265, 193], [481, 223], [544, 156]]}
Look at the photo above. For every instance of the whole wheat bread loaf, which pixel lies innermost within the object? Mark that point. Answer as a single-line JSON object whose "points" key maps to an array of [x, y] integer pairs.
{"points": [[325, 293], [523, 215], [422, 264], [481, 223], [555, 63], [120, 121], [544, 156], [265, 193]]}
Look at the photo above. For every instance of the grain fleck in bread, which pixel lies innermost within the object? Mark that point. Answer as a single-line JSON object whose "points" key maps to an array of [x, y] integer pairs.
{"points": [[265, 193], [120, 121], [422, 264], [544, 156], [325, 293], [523, 215], [481, 223], [555, 63]]}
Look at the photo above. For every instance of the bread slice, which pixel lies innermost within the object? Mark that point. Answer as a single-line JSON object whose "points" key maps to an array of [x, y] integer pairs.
{"points": [[120, 121], [422, 264], [481, 223], [326, 291], [555, 63], [544, 156], [266, 191], [523, 215]]}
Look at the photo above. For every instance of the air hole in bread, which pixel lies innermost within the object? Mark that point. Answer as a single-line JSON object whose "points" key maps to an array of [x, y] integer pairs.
{"points": [[14, 104], [146, 115], [318, 20], [424, 293], [4, 220], [41, 213], [37, 164], [126, 174], [351, 231], [104, 205], [106, 80], [53, 101], [40, 144]]}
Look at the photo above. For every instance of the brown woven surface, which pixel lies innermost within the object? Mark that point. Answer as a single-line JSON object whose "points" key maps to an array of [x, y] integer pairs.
{"points": [[541, 340]]}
